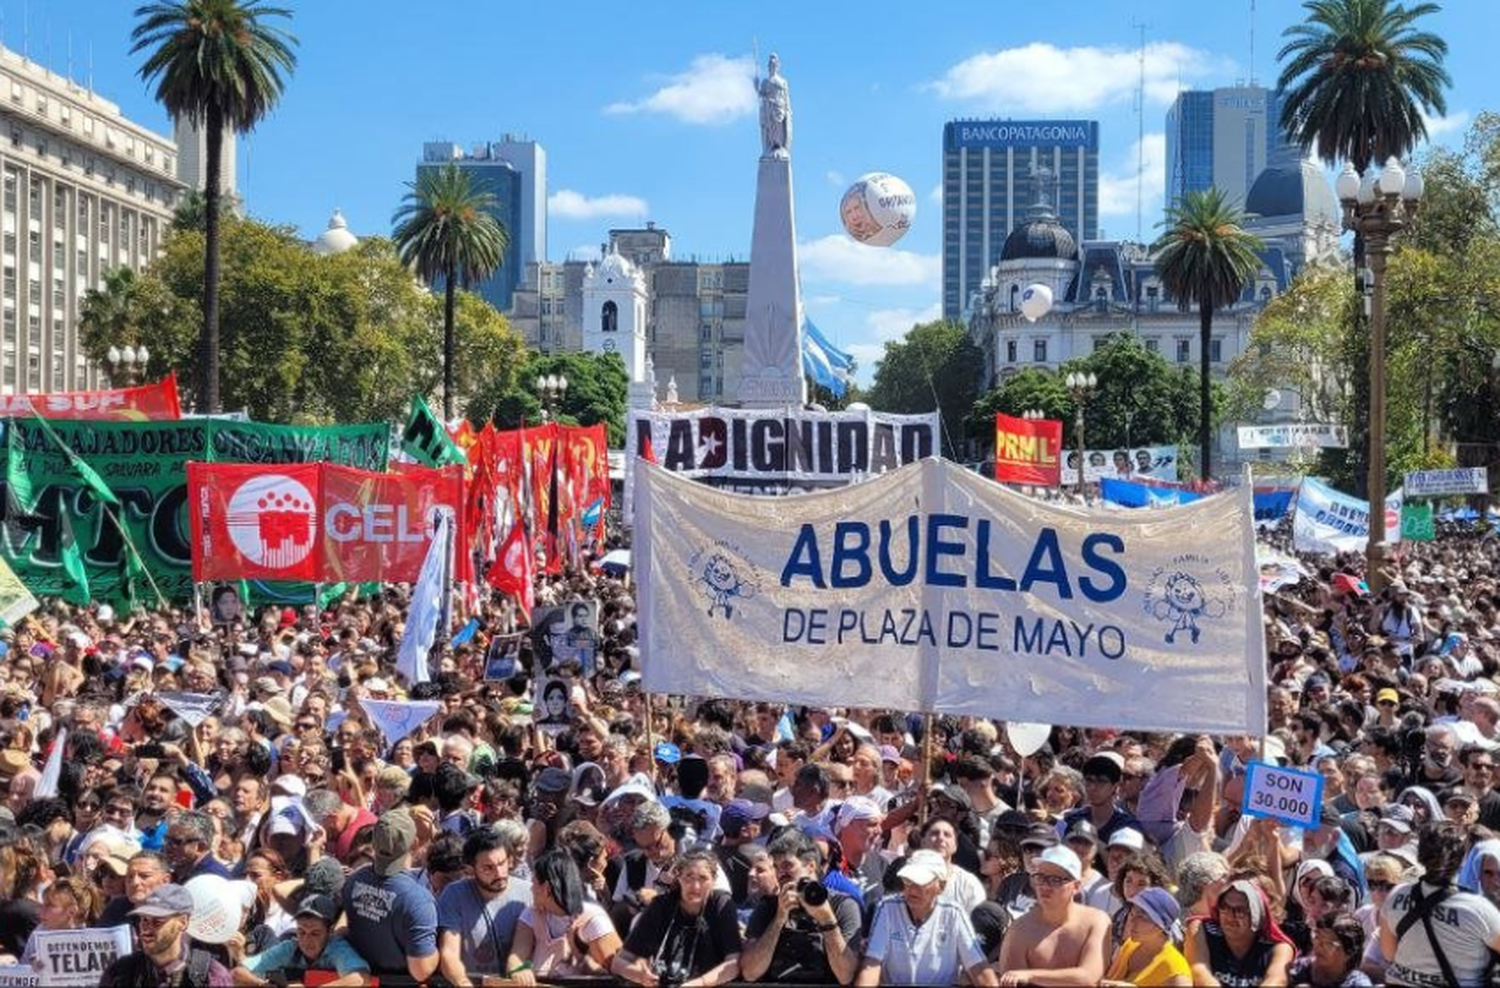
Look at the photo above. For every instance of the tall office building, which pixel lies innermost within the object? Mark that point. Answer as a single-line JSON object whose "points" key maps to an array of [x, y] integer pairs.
{"points": [[84, 191], [989, 186], [1224, 138], [514, 171], [192, 158]]}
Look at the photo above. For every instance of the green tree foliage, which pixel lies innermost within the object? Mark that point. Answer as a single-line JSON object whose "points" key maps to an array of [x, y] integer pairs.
{"points": [[346, 338], [218, 64], [935, 365], [1205, 258], [598, 388], [446, 231], [1141, 400]]}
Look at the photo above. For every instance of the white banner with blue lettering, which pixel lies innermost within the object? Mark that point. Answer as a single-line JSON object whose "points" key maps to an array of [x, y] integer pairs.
{"points": [[1331, 521], [932, 588]]}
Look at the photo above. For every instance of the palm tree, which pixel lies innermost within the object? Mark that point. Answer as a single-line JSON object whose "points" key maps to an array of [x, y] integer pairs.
{"points": [[446, 229], [107, 315], [1357, 79], [1205, 257], [217, 64]]}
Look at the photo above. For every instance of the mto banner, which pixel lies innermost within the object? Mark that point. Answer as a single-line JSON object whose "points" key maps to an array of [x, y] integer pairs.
{"points": [[147, 402], [316, 521], [1443, 483], [1027, 451], [932, 588]]}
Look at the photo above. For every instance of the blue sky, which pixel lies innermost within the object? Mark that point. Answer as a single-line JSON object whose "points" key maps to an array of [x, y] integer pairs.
{"points": [[645, 110]]}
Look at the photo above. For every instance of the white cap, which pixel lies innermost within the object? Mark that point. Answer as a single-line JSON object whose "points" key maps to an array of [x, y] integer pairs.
{"points": [[1128, 837], [923, 868], [1061, 857], [289, 785]]}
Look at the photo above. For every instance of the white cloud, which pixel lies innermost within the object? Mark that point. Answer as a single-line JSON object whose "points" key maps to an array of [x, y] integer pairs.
{"points": [[1453, 123], [715, 89], [1042, 78], [1117, 187], [835, 178], [566, 204], [892, 324], [837, 258], [585, 252], [936, 195], [822, 300]]}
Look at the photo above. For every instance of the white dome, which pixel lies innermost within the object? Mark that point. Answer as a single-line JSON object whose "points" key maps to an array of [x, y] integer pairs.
{"points": [[336, 239], [615, 269]]}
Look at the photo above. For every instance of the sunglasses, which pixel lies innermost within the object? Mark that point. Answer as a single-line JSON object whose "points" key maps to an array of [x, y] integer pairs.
{"points": [[1049, 881], [179, 841], [1379, 886], [89, 807]]}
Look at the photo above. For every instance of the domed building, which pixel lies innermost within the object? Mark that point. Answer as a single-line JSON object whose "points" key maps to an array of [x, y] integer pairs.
{"points": [[336, 239], [1294, 206]]}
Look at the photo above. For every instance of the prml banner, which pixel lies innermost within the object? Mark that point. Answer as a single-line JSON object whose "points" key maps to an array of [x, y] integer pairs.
{"points": [[1443, 483], [932, 588], [776, 451], [146, 402], [1135, 463], [145, 466], [1329, 521], [1294, 436], [1027, 451], [316, 521]]}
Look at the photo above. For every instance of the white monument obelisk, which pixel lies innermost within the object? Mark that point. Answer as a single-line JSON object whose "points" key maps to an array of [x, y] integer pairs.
{"points": [[771, 373]]}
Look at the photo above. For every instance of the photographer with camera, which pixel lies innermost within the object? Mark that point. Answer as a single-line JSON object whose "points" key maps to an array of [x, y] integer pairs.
{"points": [[805, 934], [689, 936]]}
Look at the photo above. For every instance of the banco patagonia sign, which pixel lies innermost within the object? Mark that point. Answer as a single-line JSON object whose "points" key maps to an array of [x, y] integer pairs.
{"points": [[932, 588], [1023, 133]]}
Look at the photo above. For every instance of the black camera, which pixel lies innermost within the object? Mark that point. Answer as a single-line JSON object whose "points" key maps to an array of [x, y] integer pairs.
{"points": [[812, 892], [671, 974]]}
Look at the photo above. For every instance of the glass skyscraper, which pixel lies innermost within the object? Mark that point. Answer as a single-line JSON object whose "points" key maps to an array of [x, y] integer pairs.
{"points": [[989, 186], [1224, 138]]}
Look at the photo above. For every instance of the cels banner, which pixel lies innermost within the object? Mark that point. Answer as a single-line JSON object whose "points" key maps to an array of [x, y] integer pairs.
{"points": [[317, 522], [1027, 451], [148, 402], [932, 588]]}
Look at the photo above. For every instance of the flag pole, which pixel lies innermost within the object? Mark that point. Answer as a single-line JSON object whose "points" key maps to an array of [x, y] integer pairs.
{"points": [[130, 545]]}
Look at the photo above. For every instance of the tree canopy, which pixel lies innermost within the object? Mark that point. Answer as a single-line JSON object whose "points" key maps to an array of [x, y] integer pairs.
{"points": [[935, 365], [598, 388]]}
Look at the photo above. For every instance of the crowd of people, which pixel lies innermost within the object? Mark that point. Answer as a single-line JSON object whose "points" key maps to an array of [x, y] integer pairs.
{"points": [[700, 841]]}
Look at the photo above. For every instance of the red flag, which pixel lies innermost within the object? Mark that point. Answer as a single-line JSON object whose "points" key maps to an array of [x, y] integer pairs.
{"points": [[1027, 451], [157, 401]]}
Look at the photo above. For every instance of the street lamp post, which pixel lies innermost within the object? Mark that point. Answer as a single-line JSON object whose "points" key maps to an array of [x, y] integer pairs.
{"points": [[551, 389], [124, 363], [1082, 386], [1376, 208]]}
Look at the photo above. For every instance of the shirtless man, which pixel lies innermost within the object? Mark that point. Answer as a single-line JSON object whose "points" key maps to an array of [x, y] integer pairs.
{"points": [[1059, 941]]}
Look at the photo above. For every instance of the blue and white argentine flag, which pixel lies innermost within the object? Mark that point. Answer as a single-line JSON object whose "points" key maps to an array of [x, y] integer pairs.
{"points": [[826, 364]]}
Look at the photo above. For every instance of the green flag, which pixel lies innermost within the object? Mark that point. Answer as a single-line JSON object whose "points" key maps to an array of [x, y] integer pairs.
{"points": [[425, 440], [77, 589], [1416, 521], [90, 477]]}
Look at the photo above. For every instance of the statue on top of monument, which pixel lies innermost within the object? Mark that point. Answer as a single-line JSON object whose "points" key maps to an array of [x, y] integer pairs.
{"points": [[775, 110]]}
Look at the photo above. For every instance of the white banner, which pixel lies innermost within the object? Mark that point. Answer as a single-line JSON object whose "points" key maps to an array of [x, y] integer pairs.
{"points": [[933, 588], [78, 957], [776, 451], [1329, 521], [1441, 483], [1134, 463], [395, 719], [1293, 436], [194, 708]]}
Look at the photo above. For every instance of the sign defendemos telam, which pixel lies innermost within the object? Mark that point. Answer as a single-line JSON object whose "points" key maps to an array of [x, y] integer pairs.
{"points": [[932, 588], [777, 451], [1289, 795], [1329, 521], [1295, 436], [1442, 483]]}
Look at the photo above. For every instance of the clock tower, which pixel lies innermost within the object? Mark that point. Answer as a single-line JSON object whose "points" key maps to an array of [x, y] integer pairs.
{"points": [[614, 312]]}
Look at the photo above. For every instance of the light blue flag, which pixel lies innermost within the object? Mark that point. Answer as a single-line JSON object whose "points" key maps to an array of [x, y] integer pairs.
{"points": [[395, 719], [826, 364], [428, 605]]}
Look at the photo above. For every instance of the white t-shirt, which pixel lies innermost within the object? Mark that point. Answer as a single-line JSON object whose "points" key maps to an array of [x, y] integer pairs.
{"points": [[963, 889], [1465, 925], [551, 956], [934, 953]]}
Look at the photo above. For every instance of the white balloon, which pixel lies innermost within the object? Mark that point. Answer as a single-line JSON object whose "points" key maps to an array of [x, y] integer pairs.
{"points": [[878, 209], [218, 908], [1028, 739], [1036, 301]]}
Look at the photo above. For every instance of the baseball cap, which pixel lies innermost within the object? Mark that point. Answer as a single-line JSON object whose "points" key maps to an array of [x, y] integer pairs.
{"points": [[923, 868], [553, 780], [394, 834], [320, 907], [1039, 835], [1064, 858], [950, 792], [280, 666], [740, 812], [1388, 694], [1128, 837], [888, 753], [1159, 906], [165, 900], [667, 752], [1398, 817], [289, 785], [1081, 830]]}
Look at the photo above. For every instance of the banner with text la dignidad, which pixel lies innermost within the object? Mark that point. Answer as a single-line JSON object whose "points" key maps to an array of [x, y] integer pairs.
{"points": [[145, 466], [1330, 521], [776, 451], [316, 521], [932, 588]]}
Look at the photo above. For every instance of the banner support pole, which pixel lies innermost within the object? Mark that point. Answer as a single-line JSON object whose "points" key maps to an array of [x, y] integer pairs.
{"points": [[927, 756], [651, 732], [130, 544]]}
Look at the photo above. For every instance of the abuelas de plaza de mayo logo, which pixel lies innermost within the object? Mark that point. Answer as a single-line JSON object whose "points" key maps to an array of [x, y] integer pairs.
{"points": [[722, 574], [272, 520], [1187, 593]]}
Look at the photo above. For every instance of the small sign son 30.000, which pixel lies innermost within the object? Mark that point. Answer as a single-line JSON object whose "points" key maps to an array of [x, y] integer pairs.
{"points": [[1286, 794]]}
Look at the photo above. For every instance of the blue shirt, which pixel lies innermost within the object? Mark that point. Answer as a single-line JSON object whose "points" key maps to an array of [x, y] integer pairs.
{"points": [[390, 919], [337, 956], [485, 929]]}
